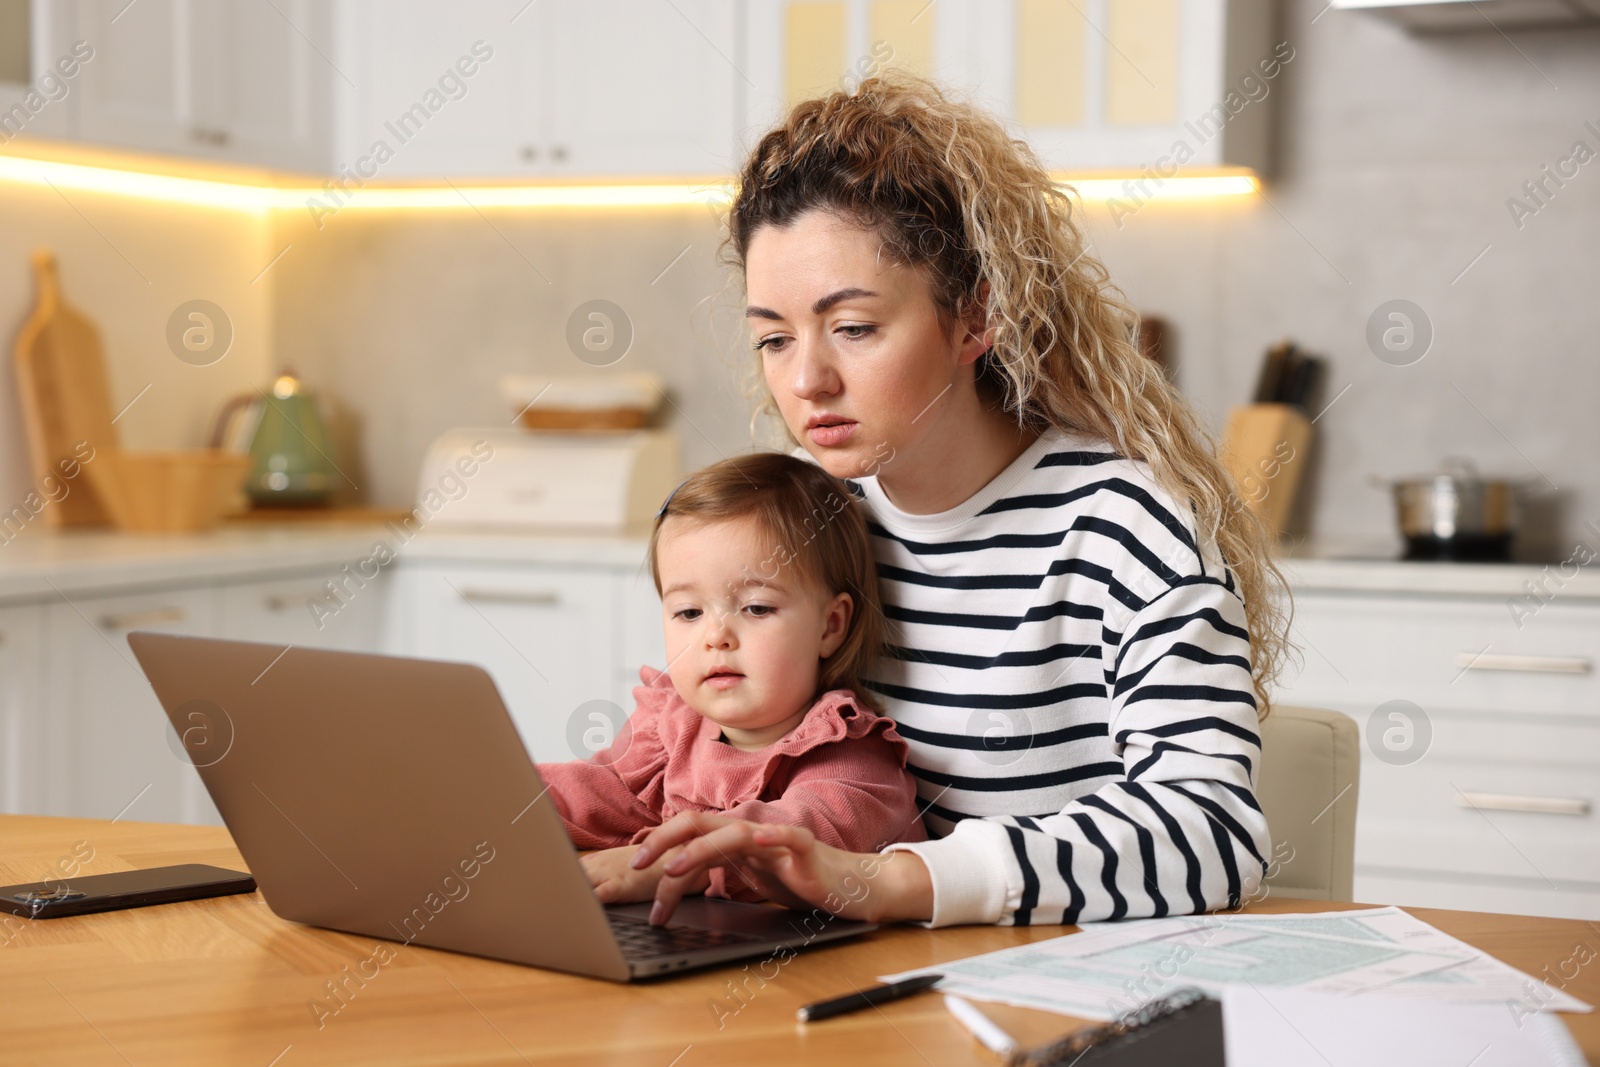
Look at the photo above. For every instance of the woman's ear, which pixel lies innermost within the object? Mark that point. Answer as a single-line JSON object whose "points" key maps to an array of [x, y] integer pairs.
{"points": [[836, 623], [977, 335]]}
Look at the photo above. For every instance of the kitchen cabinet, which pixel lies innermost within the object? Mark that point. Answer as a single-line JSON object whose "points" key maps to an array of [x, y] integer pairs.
{"points": [[1116, 85], [22, 781], [503, 89], [246, 81], [107, 750], [548, 636], [1481, 743], [362, 89], [559, 88], [559, 623], [280, 611]]}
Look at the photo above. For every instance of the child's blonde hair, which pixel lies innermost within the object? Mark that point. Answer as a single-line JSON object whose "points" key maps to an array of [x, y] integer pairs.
{"points": [[949, 192], [815, 531]]}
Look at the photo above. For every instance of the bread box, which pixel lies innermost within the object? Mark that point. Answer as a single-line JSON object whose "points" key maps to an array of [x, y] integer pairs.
{"points": [[580, 481]]}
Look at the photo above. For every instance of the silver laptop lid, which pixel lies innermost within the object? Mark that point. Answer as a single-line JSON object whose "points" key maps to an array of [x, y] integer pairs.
{"points": [[382, 796]]}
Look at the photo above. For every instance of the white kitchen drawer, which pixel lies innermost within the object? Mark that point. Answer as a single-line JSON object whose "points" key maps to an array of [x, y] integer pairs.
{"points": [[1417, 817], [1509, 896], [1363, 650], [107, 743], [281, 611], [546, 635], [641, 625], [22, 715]]}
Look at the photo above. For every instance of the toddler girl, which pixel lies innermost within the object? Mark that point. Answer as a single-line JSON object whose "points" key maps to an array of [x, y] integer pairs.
{"points": [[769, 600]]}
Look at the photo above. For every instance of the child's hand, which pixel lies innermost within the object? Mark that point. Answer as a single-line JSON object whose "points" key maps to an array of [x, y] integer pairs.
{"points": [[615, 882]]}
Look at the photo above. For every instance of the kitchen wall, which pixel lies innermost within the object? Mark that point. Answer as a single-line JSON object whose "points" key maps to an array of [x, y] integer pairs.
{"points": [[407, 323], [128, 264], [1397, 155]]}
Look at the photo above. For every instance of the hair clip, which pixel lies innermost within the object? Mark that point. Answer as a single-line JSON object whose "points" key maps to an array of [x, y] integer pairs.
{"points": [[664, 504]]}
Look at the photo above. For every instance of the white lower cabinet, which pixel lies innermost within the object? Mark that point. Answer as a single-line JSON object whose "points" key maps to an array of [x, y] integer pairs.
{"points": [[301, 610], [108, 749], [22, 777], [82, 734], [548, 636], [1480, 774]]}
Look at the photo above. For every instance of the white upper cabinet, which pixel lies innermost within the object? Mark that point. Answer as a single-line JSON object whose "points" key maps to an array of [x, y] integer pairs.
{"points": [[1091, 84], [641, 87], [504, 88], [242, 81], [439, 89], [610, 89]]}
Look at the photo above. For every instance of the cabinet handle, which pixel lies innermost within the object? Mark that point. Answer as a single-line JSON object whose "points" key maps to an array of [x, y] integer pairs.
{"points": [[134, 619], [280, 602], [1538, 664], [529, 153], [559, 153], [1513, 802], [535, 598], [208, 135]]}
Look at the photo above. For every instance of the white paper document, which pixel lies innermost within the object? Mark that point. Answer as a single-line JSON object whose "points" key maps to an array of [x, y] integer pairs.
{"points": [[1110, 968], [1298, 1028]]}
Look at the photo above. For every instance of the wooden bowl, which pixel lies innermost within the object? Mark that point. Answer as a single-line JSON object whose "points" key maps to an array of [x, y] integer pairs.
{"points": [[167, 492]]}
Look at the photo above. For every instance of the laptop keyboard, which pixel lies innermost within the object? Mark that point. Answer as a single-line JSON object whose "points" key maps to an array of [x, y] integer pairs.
{"points": [[639, 939]]}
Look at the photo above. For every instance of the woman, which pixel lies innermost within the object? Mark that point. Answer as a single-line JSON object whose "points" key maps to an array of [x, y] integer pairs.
{"points": [[1083, 616]]}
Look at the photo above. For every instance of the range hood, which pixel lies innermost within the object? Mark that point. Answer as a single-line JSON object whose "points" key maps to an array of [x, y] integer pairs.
{"points": [[1487, 15]]}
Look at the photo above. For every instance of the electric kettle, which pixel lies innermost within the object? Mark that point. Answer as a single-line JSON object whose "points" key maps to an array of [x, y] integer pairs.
{"points": [[291, 464]]}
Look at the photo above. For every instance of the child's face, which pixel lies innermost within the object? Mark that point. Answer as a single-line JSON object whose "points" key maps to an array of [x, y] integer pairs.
{"points": [[745, 636]]}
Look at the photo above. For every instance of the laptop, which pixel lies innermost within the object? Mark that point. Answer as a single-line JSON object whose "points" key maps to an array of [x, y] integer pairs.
{"points": [[393, 798]]}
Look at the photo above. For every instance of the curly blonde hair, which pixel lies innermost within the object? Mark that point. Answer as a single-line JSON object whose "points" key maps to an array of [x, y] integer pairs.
{"points": [[951, 193]]}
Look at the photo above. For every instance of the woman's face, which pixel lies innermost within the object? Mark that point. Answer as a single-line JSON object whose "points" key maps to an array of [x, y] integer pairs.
{"points": [[851, 345]]}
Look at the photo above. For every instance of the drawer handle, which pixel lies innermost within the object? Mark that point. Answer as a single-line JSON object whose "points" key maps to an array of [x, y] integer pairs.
{"points": [[1492, 661], [535, 598], [1513, 802], [134, 619], [279, 602]]}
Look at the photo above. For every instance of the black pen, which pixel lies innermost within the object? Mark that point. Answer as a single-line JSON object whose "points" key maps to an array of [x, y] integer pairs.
{"points": [[878, 994]]}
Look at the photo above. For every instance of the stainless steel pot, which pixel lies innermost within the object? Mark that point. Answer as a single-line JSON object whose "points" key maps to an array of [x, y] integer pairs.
{"points": [[1455, 513]]}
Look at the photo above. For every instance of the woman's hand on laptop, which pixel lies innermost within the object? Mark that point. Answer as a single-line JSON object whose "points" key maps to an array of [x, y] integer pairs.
{"points": [[788, 864], [617, 881]]}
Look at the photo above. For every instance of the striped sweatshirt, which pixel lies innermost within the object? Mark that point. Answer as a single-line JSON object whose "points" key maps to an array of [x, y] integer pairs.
{"points": [[1071, 671]]}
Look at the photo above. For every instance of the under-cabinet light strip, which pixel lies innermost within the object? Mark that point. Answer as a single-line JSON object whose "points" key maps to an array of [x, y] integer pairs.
{"points": [[330, 199]]}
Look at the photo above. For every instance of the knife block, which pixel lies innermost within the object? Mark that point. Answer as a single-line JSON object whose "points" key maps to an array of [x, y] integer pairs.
{"points": [[1265, 447]]}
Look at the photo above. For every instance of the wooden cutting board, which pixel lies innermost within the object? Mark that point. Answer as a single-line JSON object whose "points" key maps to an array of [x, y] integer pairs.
{"points": [[66, 401]]}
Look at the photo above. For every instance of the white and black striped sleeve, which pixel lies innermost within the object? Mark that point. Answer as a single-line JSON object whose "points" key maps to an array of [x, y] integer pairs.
{"points": [[1180, 831]]}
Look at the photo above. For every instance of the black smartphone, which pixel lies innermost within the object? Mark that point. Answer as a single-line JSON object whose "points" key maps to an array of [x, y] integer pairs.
{"points": [[124, 889]]}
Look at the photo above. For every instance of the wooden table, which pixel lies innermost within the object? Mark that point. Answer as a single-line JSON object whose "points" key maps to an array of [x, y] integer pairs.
{"points": [[224, 981]]}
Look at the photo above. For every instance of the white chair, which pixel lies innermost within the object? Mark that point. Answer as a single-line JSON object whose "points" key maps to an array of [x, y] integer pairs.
{"points": [[1310, 767]]}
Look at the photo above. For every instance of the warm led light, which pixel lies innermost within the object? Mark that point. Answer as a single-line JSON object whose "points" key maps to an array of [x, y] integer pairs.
{"points": [[389, 197], [79, 178], [1138, 188], [323, 200]]}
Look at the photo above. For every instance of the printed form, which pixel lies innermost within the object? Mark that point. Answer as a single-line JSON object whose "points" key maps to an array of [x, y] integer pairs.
{"points": [[1110, 968]]}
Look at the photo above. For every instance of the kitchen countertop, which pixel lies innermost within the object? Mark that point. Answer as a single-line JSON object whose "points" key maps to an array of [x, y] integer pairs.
{"points": [[1375, 567], [41, 564]]}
